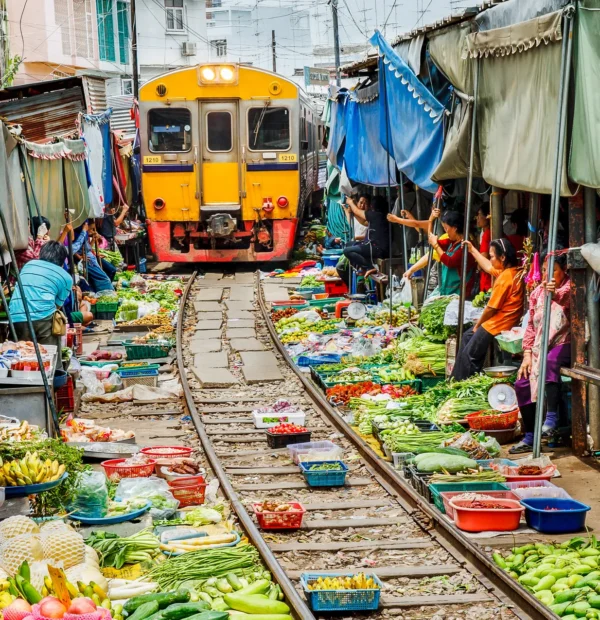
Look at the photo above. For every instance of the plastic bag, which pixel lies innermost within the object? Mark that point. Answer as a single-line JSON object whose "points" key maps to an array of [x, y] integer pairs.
{"points": [[471, 446], [491, 445], [591, 253], [366, 347], [157, 490], [92, 495], [113, 384], [90, 381], [310, 315]]}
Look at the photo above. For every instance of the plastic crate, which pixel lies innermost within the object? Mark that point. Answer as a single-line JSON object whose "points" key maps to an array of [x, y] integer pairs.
{"points": [[530, 489], [289, 520], [146, 351], [115, 470], [340, 600], [463, 487], [149, 381], [420, 482], [551, 515], [324, 478], [329, 450], [495, 422], [106, 311], [323, 304], [188, 490], [64, 397], [430, 381], [99, 364], [335, 287], [150, 370], [276, 440], [448, 495]]}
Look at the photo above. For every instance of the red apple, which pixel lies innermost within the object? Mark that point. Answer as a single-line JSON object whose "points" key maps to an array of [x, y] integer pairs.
{"points": [[82, 605], [51, 607]]}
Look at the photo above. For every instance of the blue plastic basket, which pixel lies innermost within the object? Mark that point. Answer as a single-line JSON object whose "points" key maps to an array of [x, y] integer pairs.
{"points": [[340, 600], [323, 358], [144, 371], [332, 260], [552, 515], [324, 478]]}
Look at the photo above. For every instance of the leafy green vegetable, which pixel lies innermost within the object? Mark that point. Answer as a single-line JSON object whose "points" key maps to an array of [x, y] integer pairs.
{"points": [[432, 319]]}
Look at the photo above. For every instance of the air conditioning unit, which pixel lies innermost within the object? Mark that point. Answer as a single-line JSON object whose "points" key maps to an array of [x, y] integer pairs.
{"points": [[188, 48]]}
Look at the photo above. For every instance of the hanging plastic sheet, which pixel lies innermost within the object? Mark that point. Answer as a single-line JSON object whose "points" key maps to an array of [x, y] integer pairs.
{"points": [[584, 167], [410, 51], [518, 103], [416, 131], [95, 131], [515, 12], [447, 48], [365, 159], [47, 163], [12, 198], [337, 132], [337, 222]]}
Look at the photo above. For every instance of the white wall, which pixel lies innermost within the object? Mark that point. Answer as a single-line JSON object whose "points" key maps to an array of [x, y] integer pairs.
{"points": [[159, 50]]}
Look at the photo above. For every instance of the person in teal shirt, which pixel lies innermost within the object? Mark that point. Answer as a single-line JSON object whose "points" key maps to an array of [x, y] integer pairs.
{"points": [[47, 286]]}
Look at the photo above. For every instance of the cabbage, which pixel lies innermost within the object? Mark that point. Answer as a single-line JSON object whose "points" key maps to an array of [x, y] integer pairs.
{"points": [[202, 516]]}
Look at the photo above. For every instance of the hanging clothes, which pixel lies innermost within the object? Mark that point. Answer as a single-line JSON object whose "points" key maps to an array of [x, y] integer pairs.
{"points": [[95, 131]]}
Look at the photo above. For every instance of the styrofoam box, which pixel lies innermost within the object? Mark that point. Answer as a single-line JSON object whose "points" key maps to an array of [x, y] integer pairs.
{"points": [[273, 418]]}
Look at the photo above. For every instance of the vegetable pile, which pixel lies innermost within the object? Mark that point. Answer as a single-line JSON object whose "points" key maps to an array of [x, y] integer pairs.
{"points": [[287, 429], [432, 319]]}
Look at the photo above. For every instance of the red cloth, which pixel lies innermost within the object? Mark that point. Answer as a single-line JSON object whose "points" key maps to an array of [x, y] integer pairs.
{"points": [[517, 241], [485, 279], [305, 265]]}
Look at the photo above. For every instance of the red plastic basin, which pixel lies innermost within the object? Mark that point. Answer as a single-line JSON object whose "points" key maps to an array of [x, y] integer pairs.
{"points": [[487, 519]]}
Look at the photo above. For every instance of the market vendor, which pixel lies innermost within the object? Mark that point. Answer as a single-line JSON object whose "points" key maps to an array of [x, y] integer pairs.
{"points": [[450, 252], [559, 351], [359, 234], [98, 280], [363, 255], [482, 222], [47, 286], [40, 235], [113, 218], [503, 310]]}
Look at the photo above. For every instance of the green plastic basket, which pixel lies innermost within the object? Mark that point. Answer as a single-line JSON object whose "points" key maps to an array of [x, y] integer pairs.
{"points": [[147, 350], [430, 381], [467, 487], [510, 346]]}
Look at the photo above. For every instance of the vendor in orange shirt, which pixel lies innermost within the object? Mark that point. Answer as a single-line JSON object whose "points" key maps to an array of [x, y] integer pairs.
{"points": [[503, 310]]}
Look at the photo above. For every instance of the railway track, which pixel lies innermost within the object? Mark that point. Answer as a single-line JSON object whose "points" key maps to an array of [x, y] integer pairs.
{"points": [[376, 523]]}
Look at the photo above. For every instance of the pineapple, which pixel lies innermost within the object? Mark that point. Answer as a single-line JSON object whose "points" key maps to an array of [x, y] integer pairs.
{"points": [[63, 545]]}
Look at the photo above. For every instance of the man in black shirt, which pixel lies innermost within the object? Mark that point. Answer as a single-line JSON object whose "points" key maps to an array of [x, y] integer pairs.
{"points": [[107, 226]]}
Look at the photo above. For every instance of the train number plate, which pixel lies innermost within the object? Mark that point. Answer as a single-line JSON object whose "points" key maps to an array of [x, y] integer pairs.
{"points": [[152, 159], [288, 157]]}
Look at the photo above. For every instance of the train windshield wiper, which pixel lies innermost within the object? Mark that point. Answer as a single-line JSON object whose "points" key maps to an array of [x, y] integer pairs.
{"points": [[261, 118]]}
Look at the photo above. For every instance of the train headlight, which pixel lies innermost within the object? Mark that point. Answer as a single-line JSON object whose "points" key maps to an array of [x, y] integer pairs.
{"points": [[227, 74], [283, 202], [208, 74]]}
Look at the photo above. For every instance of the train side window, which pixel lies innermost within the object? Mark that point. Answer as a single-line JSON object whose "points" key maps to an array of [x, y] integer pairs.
{"points": [[268, 129], [170, 130], [218, 132]]}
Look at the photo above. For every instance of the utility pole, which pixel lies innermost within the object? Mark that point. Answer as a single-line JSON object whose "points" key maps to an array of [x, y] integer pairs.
{"points": [[274, 51], [134, 53], [336, 41]]}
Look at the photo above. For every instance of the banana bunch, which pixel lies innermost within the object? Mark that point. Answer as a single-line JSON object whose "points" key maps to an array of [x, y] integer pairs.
{"points": [[29, 470], [356, 582], [6, 598], [91, 590]]}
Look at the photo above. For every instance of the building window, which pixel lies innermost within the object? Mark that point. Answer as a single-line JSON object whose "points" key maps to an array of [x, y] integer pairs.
{"points": [[170, 130], [123, 23], [127, 86], [174, 10], [220, 47], [106, 30], [213, 4], [268, 129], [218, 132]]}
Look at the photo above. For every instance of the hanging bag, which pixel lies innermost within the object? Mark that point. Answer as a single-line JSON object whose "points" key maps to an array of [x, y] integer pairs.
{"points": [[59, 324]]}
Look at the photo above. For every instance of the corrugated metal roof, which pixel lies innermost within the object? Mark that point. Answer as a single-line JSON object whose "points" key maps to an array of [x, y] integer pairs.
{"points": [[45, 116], [95, 94], [120, 119]]}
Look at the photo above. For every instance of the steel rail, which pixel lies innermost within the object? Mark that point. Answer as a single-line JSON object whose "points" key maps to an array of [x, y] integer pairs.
{"points": [[413, 502], [294, 599]]}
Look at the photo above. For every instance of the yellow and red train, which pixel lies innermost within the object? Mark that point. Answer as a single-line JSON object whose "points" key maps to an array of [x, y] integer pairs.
{"points": [[230, 158]]}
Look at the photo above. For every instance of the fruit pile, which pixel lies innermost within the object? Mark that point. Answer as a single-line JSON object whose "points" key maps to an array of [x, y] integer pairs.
{"points": [[356, 582], [29, 470], [287, 429]]}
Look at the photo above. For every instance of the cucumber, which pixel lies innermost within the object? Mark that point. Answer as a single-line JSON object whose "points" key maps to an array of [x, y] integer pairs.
{"points": [[210, 615], [178, 611], [164, 599], [145, 610], [234, 581]]}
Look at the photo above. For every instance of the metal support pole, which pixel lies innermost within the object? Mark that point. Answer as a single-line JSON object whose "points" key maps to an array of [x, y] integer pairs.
{"points": [[468, 205], [38, 353], [69, 240], [435, 231], [496, 211], [593, 316], [336, 41], [565, 74], [134, 53], [274, 51], [402, 205], [10, 321], [388, 189]]}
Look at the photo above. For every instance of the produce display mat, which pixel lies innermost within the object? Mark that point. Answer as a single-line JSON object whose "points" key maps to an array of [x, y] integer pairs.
{"points": [[522, 529]]}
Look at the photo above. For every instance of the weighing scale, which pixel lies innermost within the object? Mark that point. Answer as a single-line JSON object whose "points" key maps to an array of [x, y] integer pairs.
{"points": [[352, 309], [502, 396]]}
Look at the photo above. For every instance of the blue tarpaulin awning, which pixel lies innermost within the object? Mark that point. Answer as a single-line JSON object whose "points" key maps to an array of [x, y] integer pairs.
{"points": [[412, 129]]}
